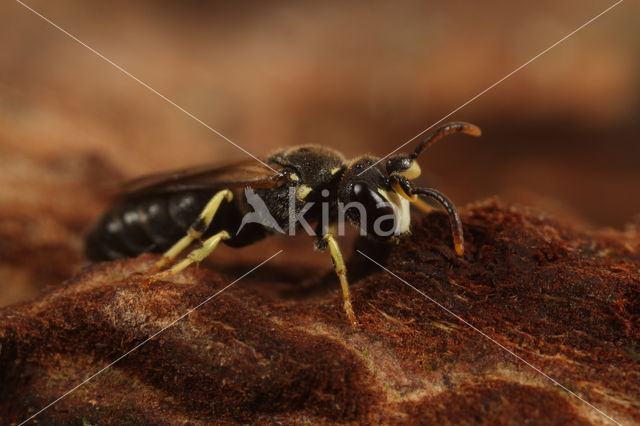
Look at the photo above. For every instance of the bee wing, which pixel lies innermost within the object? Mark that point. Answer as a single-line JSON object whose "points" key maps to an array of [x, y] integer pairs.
{"points": [[203, 178]]}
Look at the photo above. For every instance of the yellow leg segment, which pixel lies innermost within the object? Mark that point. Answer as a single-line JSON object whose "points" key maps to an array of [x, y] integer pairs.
{"points": [[422, 206], [197, 255], [203, 222], [341, 271]]}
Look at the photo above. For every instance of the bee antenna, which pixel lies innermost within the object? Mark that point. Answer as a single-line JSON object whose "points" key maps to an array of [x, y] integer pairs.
{"points": [[454, 217], [444, 130]]}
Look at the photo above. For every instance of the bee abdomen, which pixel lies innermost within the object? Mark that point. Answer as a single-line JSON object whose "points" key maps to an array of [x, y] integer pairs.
{"points": [[147, 225]]}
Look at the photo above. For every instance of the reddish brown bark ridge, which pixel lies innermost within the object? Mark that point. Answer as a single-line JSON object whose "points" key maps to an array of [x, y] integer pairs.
{"points": [[565, 300]]}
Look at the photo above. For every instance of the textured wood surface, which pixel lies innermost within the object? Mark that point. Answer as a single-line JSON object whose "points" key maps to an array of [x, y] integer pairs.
{"points": [[565, 300]]}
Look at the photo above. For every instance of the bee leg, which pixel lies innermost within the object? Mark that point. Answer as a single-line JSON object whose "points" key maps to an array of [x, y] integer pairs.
{"points": [[422, 206], [341, 271], [195, 230], [196, 255]]}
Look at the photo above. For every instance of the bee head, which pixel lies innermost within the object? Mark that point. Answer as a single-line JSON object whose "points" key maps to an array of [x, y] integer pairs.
{"points": [[377, 197], [369, 203]]}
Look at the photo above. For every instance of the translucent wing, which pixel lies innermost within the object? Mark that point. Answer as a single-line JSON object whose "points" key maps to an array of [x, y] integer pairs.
{"points": [[248, 173]]}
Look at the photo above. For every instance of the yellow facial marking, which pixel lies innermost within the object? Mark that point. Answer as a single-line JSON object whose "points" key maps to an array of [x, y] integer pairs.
{"points": [[402, 211], [412, 172], [294, 177], [335, 170], [302, 192]]}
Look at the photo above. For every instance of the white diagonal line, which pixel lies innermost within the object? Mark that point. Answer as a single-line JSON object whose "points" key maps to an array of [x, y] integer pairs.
{"points": [[483, 334], [149, 338], [497, 83], [145, 85]]}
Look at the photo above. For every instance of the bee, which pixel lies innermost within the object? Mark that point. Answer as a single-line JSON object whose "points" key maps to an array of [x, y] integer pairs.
{"points": [[166, 213]]}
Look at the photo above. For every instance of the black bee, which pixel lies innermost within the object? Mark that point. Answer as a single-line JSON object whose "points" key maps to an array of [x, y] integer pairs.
{"points": [[245, 202]]}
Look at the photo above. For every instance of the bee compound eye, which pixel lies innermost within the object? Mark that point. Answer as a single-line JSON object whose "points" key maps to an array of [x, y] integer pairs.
{"points": [[372, 211]]}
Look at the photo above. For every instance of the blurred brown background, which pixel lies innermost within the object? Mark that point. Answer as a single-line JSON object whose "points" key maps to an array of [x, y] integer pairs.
{"points": [[561, 135]]}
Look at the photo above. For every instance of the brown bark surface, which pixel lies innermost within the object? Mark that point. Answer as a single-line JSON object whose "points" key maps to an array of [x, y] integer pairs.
{"points": [[272, 350]]}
